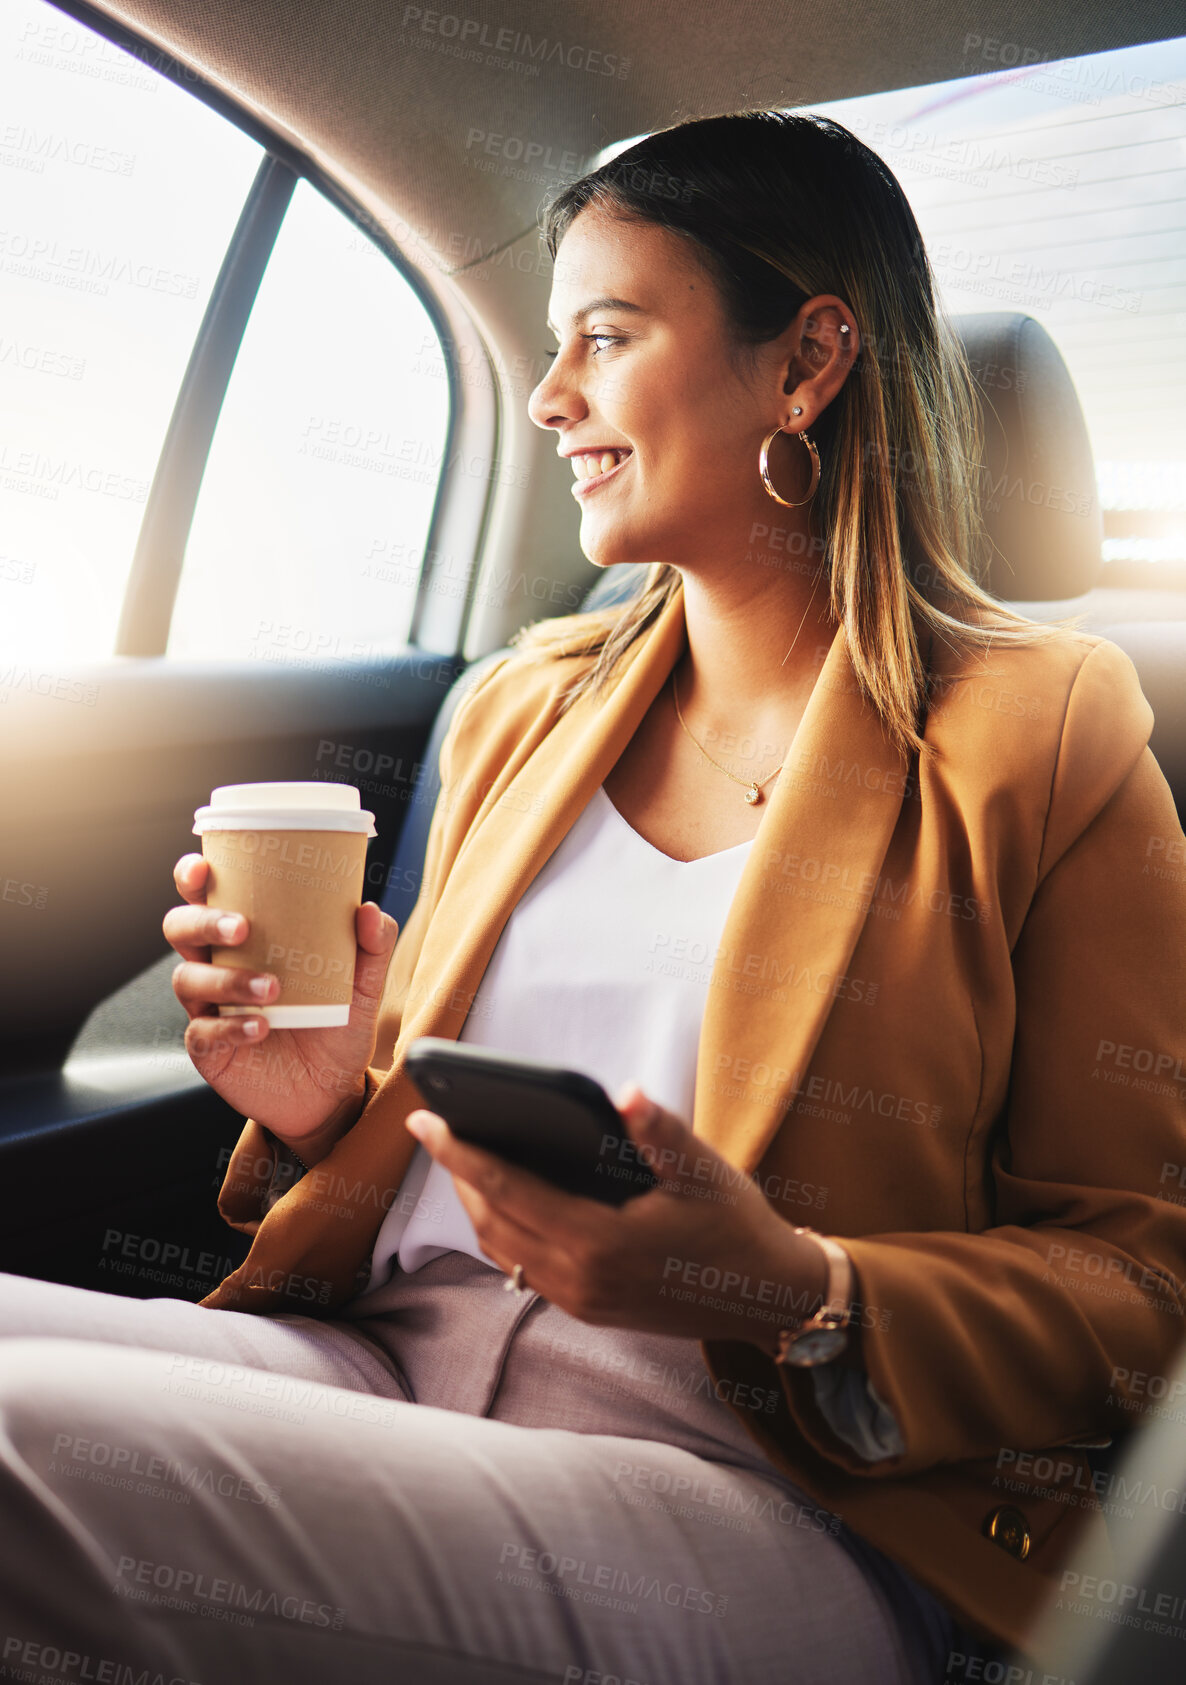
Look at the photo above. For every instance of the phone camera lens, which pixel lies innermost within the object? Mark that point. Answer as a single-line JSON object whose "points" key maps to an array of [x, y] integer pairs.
{"points": [[439, 1082]]}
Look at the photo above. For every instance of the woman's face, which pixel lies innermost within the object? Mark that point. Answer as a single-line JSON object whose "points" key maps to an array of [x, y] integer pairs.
{"points": [[644, 368]]}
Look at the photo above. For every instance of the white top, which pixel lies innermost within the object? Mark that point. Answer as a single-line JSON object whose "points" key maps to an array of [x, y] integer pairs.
{"points": [[646, 928]]}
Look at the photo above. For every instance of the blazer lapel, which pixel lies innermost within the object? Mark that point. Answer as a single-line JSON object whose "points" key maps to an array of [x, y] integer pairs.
{"points": [[782, 959]]}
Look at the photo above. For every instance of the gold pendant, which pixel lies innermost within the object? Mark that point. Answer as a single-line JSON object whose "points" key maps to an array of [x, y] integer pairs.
{"points": [[753, 795]]}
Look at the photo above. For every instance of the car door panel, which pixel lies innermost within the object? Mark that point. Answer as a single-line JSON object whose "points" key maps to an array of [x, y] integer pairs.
{"points": [[101, 1111]]}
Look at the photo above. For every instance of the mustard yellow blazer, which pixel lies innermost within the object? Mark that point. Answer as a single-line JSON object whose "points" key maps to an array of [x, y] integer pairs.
{"points": [[947, 1001]]}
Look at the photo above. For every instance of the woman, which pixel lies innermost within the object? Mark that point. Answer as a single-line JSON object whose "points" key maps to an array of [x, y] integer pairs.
{"points": [[849, 943]]}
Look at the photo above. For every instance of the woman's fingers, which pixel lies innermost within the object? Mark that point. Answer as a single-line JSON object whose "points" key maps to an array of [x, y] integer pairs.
{"points": [[375, 933], [195, 928], [677, 1158], [198, 986], [190, 874], [204, 1036], [193, 931]]}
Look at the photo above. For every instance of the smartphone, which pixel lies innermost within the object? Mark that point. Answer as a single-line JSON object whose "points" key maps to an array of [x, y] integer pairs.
{"points": [[559, 1124]]}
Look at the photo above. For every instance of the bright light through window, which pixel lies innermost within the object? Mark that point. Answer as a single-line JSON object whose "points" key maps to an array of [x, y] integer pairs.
{"points": [[309, 533], [1058, 190], [120, 192]]}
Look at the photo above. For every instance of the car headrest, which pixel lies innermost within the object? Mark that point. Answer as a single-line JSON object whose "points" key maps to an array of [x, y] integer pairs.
{"points": [[1038, 491], [1040, 503]]}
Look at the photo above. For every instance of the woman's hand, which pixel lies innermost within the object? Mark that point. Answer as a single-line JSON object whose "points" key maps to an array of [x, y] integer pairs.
{"points": [[299, 1083], [704, 1254]]}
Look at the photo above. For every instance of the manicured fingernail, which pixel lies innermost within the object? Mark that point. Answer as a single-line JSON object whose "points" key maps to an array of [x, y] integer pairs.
{"points": [[252, 1028], [261, 987], [228, 928]]}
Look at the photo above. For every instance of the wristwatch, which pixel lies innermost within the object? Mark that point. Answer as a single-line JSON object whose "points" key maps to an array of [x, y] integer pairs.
{"points": [[825, 1335]]}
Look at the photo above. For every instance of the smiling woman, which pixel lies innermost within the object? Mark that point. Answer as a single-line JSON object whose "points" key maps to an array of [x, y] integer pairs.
{"points": [[810, 268], [848, 935]]}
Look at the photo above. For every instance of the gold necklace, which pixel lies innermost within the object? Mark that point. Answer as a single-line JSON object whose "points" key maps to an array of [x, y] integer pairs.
{"points": [[753, 794]]}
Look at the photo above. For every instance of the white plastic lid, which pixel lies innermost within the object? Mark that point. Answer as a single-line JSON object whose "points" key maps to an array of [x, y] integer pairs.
{"points": [[285, 807]]}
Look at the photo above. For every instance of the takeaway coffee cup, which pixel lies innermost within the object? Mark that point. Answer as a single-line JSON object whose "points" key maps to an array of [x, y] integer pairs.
{"points": [[291, 859]]}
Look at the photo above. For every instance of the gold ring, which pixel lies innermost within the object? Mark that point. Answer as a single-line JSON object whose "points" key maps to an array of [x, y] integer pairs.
{"points": [[515, 1282]]}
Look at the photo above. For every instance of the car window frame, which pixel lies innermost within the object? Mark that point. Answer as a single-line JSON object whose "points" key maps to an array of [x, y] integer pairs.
{"points": [[460, 515]]}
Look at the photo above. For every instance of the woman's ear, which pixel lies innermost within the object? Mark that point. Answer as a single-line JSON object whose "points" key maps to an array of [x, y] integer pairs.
{"points": [[822, 344]]}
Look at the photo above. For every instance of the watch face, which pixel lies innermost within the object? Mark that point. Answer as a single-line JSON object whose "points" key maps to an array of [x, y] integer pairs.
{"points": [[817, 1345]]}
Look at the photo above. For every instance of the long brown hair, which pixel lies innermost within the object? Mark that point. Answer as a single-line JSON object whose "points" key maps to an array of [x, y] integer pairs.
{"points": [[780, 208]]}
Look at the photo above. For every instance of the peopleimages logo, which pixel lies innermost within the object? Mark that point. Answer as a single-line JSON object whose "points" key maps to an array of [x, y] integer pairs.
{"points": [[33, 1653], [569, 1573], [479, 42], [199, 1588]]}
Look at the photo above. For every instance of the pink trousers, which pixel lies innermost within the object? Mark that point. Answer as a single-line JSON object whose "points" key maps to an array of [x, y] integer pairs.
{"points": [[446, 1484]]}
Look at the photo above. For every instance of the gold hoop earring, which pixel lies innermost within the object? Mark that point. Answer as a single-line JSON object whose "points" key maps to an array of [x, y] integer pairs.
{"points": [[764, 469]]}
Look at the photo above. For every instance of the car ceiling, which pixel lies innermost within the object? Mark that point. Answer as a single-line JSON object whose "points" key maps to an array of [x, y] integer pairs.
{"points": [[381, 95]]}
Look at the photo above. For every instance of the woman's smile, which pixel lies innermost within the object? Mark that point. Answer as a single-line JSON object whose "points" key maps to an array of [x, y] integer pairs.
{"points": [[592, 469]]}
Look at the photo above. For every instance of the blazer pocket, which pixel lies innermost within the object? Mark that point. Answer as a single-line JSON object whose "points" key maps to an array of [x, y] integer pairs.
{"points": [[1031, 1504]]}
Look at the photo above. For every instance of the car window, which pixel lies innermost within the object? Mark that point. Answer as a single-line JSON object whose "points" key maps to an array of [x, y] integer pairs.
{"points": [[1057, 190], [120, 193], [310, 527]]}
